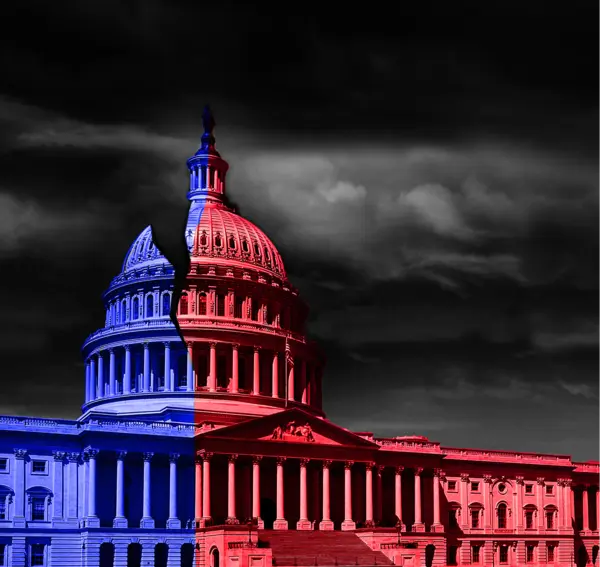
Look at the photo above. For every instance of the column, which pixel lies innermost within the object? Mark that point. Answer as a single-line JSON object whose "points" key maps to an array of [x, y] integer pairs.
{"points": [[464, 502], [189, 386], [290, 380], [303, 384], [112, 380], [120, 521], [19, 514], [173, 522], [256, 491], [398, 495], [280, 522], [100, 375], [59, 457], [256, 375], [73, 508], [275, 376], [127, 374], [147, 521], [437, 525], [92, 520], [93, 375], [326, 523], [231, 509], [198, 492], [235, 378], [586, 508], [88, 389], [418, 526], [348, 523], [303, 523], [212, 372], [146, 382], [86, 483], [567, 504], [206, 486], [369, 495], [167, 370], [488, 502]]}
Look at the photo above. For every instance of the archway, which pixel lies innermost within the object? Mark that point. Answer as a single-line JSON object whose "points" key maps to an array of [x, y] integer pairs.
{"points": [[268, 512], [134, 555], [161, 555], [187, 555], [107, 554], [429, 553], [214, 558]]}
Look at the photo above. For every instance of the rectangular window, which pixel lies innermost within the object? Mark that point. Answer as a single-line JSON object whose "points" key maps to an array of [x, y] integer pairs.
{"points": [[549, 489], [452, 485], [239, 307], [529, 519], [2, 554], [475, 554], [37, 554], [549, 520], [474, 518], [474, 487], [504, 554], [38, 509], [38, 467], [550, 554], [530, 553], [3, 468], [529, 489], [3, 515]]}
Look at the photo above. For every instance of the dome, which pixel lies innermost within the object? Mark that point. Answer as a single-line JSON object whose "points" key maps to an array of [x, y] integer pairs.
{"points": [[143, 253], [221, 233]]}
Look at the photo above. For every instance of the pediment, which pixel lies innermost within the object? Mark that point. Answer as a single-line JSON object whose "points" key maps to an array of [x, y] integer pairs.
{"points": [[291, 426]]}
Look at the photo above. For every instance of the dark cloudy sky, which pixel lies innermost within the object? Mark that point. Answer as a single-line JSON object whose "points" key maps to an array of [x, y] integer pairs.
{"points": [[429, 175]]}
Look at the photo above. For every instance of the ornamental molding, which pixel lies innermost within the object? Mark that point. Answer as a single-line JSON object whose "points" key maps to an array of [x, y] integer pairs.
{"points": [[292, 430]]}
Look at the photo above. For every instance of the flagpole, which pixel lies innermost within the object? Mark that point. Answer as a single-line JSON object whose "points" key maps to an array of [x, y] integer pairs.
{"points": [[285, 372]]}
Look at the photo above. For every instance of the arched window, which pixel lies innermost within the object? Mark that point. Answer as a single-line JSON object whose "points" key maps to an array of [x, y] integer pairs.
{"points": [[166, 305], [453, 513], [232, 242], [256, 249], [123, 311], [218, 241], [150, 306], [550, 515], [135, 308], [183, 304], [501, 516], [134, 555], [267, 257], [6, 497], [161, 552], [39, 499], [245, 246], [202, 303], [203, 239], [214, 557], [107, 554], [529, 512], [476, 513]]}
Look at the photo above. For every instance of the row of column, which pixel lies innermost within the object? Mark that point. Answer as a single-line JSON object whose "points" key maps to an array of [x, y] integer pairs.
{"points": [[206, 177], [586, 489], [203, 504], [95, 373]]}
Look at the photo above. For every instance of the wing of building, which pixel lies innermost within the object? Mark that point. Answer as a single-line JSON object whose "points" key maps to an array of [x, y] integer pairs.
{"points": [[203, 441]]}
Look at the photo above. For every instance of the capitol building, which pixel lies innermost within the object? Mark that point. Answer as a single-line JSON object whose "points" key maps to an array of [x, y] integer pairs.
{"points": [[203, 441]]}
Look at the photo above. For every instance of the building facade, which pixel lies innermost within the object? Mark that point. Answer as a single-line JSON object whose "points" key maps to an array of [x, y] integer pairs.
{"points": [[203, 441]]}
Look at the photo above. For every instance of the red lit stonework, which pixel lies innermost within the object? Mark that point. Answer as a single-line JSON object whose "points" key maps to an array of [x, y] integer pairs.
{"points": [[269, 462]]}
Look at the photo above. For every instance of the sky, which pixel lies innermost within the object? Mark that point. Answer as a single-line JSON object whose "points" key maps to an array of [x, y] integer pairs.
{"points": [[429, 175]]}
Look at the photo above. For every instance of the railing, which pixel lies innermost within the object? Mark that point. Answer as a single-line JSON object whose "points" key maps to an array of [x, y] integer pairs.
{"points": [[242, 545], [508, 455]]}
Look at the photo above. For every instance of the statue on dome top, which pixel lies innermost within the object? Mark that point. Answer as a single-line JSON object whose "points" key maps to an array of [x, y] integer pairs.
{"points": [[208, 120]]}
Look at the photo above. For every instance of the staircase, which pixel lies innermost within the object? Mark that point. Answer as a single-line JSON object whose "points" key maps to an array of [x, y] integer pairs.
{"points": [[329, 548]]}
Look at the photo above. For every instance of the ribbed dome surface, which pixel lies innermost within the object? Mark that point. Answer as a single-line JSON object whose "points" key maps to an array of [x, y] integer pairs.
{"points": [[143, 252], [221, 233]]}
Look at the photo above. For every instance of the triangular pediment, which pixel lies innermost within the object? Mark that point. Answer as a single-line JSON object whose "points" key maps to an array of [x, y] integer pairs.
{"points": [[291, 426]]}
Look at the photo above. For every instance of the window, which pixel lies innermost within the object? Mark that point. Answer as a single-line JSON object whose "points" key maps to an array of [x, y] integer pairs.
{"points": [[474, 487], [3, 465], [203, 239], [37, 554], [529, 554], [504, 554], [529, 489], [502, 488], [220, 305], [202, 304], [135, 308], [474, 518], [232, 242], [267, 257], [502, 516], [528, 519], [549, 489], [475, 554], [451, 485], [452, 520], [150, 306], [239, 307], [123, 311], [245, 246], [38, 467], [38, 509], [255, 309], [550, 553], [218, 241], [166, 305], [3, 511], [2, 554], [183, 304], [549, 520]]}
